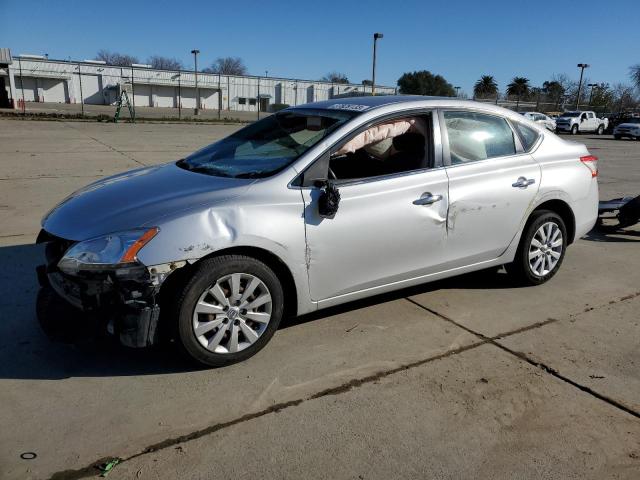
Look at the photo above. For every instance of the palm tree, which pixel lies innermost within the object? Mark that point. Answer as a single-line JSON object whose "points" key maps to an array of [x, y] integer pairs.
{"points": [[634, 73], [485, 87], [519, 87]]}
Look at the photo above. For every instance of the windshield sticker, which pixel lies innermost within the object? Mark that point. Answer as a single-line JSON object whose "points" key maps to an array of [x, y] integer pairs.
{"points": [[349, 106]]}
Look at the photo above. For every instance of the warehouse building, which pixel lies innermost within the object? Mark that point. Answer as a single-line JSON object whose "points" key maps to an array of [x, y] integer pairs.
{"points": [[33, 78]]}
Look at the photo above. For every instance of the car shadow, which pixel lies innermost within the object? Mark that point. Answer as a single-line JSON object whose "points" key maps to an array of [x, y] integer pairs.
{"points": [[71, 346], [603, 234]]}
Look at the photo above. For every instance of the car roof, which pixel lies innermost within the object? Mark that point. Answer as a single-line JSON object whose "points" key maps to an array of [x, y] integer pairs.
{"points": [[369, 103]]}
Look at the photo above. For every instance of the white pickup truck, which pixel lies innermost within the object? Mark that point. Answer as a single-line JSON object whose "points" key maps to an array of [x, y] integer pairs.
{"points": [[581, 121]]}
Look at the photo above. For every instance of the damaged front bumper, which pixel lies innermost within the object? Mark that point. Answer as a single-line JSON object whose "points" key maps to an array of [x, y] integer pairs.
{"points": [[124, 300]]}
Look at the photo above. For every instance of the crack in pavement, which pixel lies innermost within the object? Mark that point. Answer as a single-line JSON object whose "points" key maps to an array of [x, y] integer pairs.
{"points": [[343, 388], [105, 145], [522, 356]]}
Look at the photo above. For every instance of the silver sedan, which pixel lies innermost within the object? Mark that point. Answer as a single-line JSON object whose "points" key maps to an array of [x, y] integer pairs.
{"points": [[314, 206]]}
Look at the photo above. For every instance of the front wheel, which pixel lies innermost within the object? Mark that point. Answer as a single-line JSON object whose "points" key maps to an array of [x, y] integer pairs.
{"points": [[574, 130], [617, 137], [541, 249], [228, 310]]}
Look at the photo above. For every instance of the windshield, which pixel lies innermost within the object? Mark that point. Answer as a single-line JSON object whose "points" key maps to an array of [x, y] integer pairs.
{"points": [[632, 120], [267, 146], [570, 114]]}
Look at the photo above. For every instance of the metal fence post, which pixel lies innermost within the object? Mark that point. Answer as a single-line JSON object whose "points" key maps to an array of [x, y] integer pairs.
{"points": [[81, 96]]}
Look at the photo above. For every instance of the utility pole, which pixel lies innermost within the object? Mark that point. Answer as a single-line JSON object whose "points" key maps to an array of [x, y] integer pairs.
{"points": [[376, 36], [581, 66], [457, 91], [195, 71]]}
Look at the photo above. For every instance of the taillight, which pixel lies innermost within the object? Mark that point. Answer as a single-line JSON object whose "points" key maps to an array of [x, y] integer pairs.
{"points": [[591, 162]]}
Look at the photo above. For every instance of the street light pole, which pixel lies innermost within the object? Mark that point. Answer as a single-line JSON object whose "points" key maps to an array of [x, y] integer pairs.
{"points": [[195, 71], [376, 36], [457, 91], [581, 66]]}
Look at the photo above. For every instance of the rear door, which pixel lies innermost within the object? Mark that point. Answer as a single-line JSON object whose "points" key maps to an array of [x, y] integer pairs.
{"points": [[492, 182]]}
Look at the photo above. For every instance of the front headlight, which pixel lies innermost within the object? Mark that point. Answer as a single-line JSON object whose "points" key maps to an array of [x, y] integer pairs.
{"points": [[109, 251]]}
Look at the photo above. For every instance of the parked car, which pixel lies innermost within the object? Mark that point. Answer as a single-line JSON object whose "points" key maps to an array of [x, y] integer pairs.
{"points": [[630, 128], [547, 122], [311, 207], [581, 121]]}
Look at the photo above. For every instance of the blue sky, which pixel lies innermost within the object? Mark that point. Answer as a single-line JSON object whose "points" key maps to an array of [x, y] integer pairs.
{"points": [[460, 40]]}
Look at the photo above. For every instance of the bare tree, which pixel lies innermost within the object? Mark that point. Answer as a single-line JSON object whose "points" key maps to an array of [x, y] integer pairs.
{"points": [[634, 73], [115, 58], [227, 66], [335, 77], [165, 63]]}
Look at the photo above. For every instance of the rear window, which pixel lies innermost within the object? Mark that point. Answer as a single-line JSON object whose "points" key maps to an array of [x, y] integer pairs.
{"points": [[528, 136]]}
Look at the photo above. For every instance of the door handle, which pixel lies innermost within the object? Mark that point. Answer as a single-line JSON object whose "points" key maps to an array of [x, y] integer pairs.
{"points": [[523, 182], [427, 199]]}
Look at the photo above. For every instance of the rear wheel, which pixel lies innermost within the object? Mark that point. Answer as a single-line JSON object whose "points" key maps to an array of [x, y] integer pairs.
{"points": [[574, 130], [228, 310], [541, 249], [600, 130]]}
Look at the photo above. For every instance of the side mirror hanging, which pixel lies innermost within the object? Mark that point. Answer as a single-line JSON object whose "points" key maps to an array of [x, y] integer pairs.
{"points": [[329, 200]]}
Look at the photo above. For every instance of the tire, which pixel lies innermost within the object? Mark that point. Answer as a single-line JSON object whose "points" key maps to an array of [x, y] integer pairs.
{"points": [[600, 130], [522, 269], [574, 130], [223, 318], [617, 137]]}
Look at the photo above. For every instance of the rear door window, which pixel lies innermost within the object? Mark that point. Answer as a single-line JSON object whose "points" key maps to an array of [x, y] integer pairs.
{"points": [[477, 136]]}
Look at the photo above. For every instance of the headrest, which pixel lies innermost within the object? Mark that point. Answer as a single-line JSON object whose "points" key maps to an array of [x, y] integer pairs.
{"points": [[409, 142]]}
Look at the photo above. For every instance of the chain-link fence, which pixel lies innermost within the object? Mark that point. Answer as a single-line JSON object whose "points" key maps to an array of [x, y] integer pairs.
{"points": [[94, 88]]}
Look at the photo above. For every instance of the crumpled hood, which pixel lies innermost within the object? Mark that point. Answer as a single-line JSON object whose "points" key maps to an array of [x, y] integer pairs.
{"points": [[137, 198]]}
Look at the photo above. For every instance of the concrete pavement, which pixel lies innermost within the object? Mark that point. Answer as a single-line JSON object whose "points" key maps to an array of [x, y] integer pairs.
{"points": [[464, 378]]}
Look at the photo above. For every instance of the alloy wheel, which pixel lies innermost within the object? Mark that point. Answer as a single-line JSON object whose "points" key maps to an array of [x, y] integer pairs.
{"points": [[232, 314], [545, 249]]}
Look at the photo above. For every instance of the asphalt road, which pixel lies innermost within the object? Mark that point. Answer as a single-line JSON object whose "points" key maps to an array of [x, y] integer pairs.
{"points": [[464, 378]]}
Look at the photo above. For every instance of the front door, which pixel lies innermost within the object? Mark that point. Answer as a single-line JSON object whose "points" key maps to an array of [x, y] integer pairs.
{"points": [[378, 236], [391, 222], [491, 186]]}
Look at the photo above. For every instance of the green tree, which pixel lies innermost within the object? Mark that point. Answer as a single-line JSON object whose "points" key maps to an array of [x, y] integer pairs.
{"points": [[554, 91], [425, 83], [519, 87], [485, 87]]}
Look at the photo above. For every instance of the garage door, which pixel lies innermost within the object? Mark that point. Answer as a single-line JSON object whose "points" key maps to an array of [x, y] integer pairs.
{"points": [[30, 89], [91, 89], [53, 90], [165, 96], [142, 95], [188, 98], [208, 99]]}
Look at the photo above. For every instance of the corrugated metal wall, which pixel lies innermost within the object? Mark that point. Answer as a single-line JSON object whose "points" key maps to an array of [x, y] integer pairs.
{"points": [[59, 82]]}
